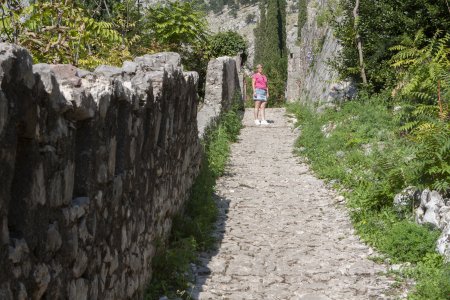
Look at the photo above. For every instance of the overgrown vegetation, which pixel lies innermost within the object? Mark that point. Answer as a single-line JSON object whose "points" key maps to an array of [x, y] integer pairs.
{"points": [[192, 230], [395, 134], [381, 25], [61, 32], [360, 151], [373, 149]]}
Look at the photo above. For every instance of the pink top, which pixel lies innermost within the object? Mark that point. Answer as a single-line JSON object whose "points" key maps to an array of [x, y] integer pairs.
{"points": [[260, 81]]}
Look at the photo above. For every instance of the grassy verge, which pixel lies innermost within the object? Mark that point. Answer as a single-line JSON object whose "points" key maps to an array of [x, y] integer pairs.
{"points": [[358, 150], [192, 230]]}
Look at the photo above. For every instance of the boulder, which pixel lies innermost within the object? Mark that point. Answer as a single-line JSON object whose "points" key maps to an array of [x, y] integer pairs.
{"points": [[406, 200], [443, 243], [430, 204]]}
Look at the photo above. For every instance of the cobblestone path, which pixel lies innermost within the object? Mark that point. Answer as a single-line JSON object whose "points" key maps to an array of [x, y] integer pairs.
{"points": [[283, 234]]}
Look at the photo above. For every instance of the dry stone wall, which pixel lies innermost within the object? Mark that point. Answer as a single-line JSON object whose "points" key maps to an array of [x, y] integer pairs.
{"points": [[93, 166], [221, 88]]}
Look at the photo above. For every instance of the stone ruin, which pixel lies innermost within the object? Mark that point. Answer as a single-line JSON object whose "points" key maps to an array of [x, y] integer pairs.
{"points": [[93, 166]]}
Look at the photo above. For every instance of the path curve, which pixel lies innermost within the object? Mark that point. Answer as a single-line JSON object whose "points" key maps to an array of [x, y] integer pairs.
{"points": [[282, 233]]}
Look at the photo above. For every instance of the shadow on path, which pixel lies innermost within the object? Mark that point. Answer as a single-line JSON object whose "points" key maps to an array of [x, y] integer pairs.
{"points": [[201, 270]]}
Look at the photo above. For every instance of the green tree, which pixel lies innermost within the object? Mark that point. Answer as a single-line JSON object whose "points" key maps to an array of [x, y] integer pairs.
{"points": [[229, 43], [57, 32], [381, 25], [260, 36], [270, 47], [175, 24]]}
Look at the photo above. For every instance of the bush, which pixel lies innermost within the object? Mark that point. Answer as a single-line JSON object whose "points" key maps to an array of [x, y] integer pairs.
{"points": [[228, 43], [433, 279], [250, 18], [409, 242]]}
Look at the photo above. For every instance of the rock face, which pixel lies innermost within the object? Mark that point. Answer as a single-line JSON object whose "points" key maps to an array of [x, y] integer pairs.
{"points": [[310, 78], [93, 166]]}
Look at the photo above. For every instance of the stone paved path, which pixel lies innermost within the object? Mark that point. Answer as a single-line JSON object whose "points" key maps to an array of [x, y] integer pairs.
{"points": [[283, 234]]}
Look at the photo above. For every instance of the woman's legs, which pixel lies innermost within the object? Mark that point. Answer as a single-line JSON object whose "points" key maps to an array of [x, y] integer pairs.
{"points": [[257, 106], [263, 112]]}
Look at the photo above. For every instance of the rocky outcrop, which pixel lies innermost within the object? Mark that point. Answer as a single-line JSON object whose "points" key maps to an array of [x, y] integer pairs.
{"points": [[434, 211], [431, 209], [93, 166], [310, 77]]}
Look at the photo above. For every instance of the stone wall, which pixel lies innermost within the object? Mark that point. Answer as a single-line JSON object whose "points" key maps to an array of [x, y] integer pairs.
{"points": [[92, 166], [222, 84], [310, 78]]}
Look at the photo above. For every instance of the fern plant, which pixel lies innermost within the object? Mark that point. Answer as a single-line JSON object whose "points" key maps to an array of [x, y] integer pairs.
{"points": [[60, 32], [433, 141], [424, 81], [423, 67]]}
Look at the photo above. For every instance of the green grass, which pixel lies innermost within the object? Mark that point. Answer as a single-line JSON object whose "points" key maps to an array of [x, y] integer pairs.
{"points": [[192, 230], [369, 162]]}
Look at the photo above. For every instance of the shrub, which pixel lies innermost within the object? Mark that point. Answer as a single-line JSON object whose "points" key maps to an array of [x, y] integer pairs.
{"points": [[228, 43], [250, 18], [433, 279], [409, 242]]}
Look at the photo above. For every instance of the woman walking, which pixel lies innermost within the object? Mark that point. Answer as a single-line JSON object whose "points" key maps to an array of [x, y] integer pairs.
{"points": [[260, 95]]}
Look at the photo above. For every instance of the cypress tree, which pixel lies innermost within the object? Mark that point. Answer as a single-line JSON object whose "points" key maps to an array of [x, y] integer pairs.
{"points": [[270, 47], [260, 35]]}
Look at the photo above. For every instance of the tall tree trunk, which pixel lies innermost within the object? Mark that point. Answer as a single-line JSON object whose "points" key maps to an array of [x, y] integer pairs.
{"points": [[359, 42]]}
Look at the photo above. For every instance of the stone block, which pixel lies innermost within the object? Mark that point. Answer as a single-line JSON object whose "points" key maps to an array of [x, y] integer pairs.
{"points": [[78, 289], [54, 240], [129, 67], [443, 243], [42, 278], [159, 62], [16, 65], [18, 251], [80, 265], [108, 71]]}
